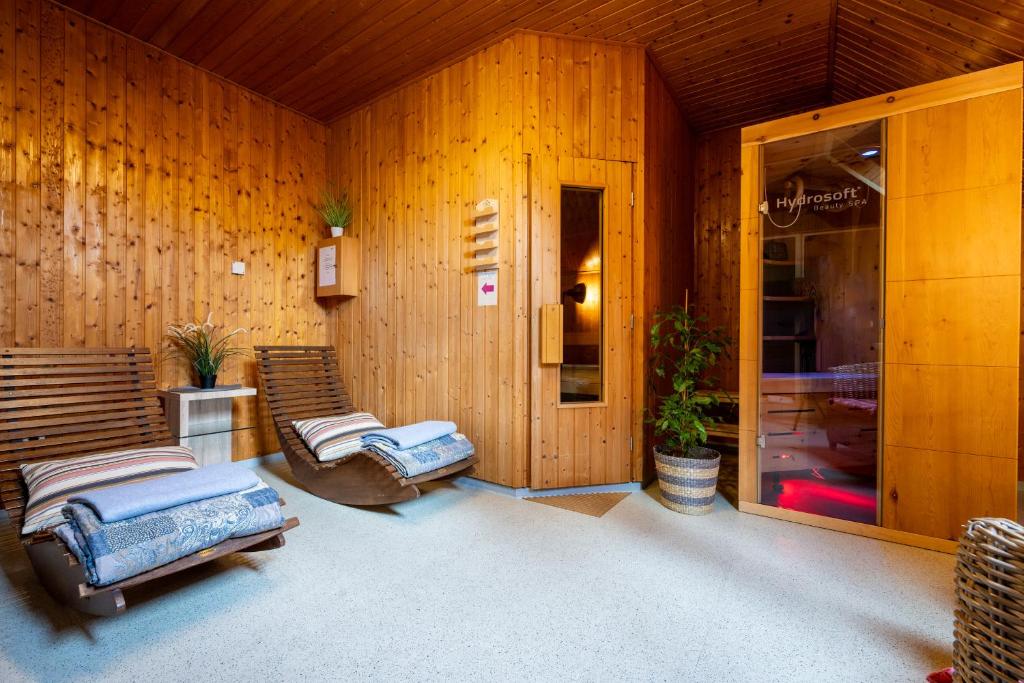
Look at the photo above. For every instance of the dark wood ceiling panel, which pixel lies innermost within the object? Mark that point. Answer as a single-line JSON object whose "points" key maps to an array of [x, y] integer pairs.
{"points": [[728, 62], [884, 45]]}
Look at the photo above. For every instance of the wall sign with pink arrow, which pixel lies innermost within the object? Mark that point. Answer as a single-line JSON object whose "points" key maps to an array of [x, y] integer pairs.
{"points": [[487, 288]]}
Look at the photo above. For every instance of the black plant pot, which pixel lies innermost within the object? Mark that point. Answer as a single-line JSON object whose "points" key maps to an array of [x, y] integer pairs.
{"points": [[207, 381]]}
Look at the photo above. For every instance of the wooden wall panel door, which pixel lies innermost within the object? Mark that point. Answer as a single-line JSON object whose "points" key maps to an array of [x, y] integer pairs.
{"points": [[952, 314], [584, 443]]}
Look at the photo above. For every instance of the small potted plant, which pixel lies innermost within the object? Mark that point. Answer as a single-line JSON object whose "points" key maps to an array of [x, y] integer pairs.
{"points": [[199, 345], [683, 354], [336, 210]]}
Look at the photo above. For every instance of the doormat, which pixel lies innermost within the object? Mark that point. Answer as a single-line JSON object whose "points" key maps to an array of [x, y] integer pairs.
{"points": [[593, 504]]}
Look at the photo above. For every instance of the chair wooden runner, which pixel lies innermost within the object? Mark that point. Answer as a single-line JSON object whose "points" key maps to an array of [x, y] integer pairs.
{"points": [[63, 403], [302, 382]]}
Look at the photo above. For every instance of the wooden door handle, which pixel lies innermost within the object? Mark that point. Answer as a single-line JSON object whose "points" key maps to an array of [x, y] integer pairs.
{"points": [[894, 494], [551, 334]]}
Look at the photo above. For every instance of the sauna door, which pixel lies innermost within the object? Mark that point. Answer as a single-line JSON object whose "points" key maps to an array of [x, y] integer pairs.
{"points": [[582, 280]]}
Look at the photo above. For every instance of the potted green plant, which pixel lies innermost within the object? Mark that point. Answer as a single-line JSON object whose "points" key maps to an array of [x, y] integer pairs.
{"points": [[684, 352], [336, 210], [198, 344]]}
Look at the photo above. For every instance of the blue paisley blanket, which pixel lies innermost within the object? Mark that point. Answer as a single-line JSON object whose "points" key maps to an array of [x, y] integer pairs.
{"points": [[114, 551], [425, 457]]}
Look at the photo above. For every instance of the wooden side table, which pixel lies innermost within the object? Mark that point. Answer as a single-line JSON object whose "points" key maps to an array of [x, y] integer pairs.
{"points": [[203, 420]]}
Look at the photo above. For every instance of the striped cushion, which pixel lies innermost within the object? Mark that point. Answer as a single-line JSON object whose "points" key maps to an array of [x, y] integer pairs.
{"points": [[333, 438], [51, 483]]}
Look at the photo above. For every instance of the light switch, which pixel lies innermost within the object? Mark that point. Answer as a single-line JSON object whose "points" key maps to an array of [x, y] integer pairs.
{"points": [[238, 267]]}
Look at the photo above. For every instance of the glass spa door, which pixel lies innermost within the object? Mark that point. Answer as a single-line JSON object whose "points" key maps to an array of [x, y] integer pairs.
{"points": [[821, 306]]}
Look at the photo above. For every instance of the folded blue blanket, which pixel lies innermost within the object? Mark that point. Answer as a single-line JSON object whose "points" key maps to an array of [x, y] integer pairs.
{"points": [[133, 500], [412, 435], [118, 550], [426, 457]]}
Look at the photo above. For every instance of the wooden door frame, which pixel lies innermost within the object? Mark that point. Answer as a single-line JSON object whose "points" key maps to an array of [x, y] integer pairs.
{"points": [[881, 107], [534, 217]]}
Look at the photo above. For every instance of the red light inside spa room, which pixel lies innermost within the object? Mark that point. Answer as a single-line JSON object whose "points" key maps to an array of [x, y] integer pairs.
{"points": [[822, 498]]}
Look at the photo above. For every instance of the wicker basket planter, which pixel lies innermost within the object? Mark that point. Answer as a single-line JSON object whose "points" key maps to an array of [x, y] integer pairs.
{"points": [[688, 483], [989, 624]]}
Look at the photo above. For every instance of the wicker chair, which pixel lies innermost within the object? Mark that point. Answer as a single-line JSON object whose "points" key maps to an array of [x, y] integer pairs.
{"points": [[989, 625], [851, 418], [302, 382]]}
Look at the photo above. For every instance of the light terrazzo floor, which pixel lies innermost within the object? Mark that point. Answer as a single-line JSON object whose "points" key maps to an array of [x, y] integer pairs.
{"points": [[465, 584]]}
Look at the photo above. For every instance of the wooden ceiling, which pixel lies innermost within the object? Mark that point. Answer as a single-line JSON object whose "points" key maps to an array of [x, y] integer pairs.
{"points": [[884, 45], [728, 62]]}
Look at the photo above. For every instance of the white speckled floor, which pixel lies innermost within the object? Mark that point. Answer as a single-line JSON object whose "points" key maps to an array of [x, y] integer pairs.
{"points": [[471, 585]]}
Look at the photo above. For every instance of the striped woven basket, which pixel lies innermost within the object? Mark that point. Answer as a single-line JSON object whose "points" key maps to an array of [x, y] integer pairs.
{"points": [[989, 618], [688, 484]]}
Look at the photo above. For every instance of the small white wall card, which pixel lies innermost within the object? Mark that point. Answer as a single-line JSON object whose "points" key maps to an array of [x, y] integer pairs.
{"points": [[487, 288], [327, 265]]}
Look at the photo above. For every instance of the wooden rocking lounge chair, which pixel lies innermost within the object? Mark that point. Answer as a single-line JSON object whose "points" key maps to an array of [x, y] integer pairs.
{"points": [[62, 403], [302, 382]]}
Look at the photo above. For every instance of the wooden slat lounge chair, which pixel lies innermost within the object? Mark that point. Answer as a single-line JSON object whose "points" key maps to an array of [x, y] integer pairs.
{"points": [[62, 403], [302, 382]]}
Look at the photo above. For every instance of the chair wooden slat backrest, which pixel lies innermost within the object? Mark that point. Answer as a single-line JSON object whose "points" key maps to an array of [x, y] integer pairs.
{"points": [[302, 382], [63, 403]]}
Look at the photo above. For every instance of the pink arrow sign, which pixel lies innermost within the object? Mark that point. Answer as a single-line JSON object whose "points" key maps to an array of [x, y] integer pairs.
{"points": [[487, 288]]}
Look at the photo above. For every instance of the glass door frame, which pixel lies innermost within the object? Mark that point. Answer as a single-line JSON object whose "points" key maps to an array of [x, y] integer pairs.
{"points": [[882, 219], [602, 188]]}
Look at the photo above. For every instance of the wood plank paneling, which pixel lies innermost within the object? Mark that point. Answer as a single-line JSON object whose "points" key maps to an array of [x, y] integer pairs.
{"points": [[8, 188], [129, 181], [962, 409], [884, 45], [950, 321], [921, 228], [667, 239], [929, 485], [721, 52], [952, 384], [716, 233], [941, 149], [414, 344]]}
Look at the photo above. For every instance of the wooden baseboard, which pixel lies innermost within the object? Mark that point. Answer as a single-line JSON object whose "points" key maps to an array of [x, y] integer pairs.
{"points": [[940, 545]]}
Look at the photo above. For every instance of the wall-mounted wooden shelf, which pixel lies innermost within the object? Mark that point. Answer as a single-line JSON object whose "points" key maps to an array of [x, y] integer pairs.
{"points": [[483, 263], [337, 267], [485, 225], [485, 212], [484, 229]]}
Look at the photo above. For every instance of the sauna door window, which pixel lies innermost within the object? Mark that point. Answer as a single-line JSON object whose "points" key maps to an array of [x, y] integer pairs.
{"points": [[582, 220], [821, 302]]}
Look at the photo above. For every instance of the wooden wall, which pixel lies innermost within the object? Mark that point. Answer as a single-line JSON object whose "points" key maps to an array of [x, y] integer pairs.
{"points": [[414, 345], [716, 228], [129, 182], [952, 311], [667, 202]]}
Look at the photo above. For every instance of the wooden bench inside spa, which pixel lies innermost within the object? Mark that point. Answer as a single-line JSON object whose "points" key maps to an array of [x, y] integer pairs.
{"points": [[303, 382], [56, 404]]}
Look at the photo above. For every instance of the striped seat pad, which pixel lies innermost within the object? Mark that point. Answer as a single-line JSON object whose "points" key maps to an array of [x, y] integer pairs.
{"points": [[336, 437], [51, 483]]}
